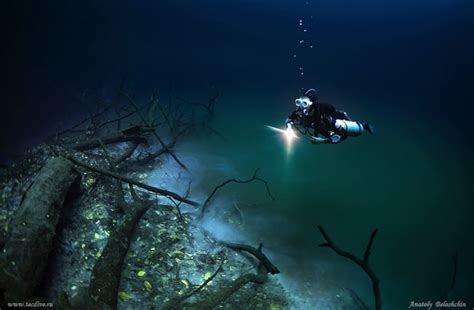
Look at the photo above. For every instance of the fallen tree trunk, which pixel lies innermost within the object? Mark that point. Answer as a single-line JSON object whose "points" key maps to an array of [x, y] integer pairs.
{"points": [[134, 134], [105, 278], [26, 251]]}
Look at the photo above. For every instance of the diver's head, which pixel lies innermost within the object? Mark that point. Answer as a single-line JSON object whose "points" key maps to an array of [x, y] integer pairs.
{"points": [[303, 103]]}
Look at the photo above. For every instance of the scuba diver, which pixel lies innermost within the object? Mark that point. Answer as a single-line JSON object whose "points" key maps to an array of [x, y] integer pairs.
{"points": [[329, 125]]}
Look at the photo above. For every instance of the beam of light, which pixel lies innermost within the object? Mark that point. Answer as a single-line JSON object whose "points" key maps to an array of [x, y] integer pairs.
{"points": [[288, 134]]}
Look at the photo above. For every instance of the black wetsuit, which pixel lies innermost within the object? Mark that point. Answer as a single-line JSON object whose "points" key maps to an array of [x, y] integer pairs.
{"points": [[320, 117]]}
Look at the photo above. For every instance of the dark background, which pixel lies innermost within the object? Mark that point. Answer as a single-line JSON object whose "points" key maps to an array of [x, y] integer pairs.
{"points": [[54, 51]]}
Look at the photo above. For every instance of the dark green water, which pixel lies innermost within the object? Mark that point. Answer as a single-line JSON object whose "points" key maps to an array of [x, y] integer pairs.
{"points": [[410, 183]]}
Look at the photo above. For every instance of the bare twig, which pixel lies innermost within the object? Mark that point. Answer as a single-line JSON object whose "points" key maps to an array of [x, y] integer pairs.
{"points": [[214, 131], [209, 107], [363, 263], [202, 105], [253, 178], [107, 157], [163, 145], [89, 118], [205, 282], [188, 190], [176, 303], [117, 120]]}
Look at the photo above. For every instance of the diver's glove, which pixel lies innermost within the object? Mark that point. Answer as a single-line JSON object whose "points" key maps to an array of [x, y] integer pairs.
{"points": [[319, 140], [335, 139], [289, 124]]}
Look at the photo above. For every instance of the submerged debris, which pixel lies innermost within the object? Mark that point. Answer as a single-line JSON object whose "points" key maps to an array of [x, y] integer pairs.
{"points": [[137, 250]]}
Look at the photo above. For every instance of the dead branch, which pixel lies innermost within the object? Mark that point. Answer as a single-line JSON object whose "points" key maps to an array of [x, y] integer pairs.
{"points": [[253, 178], [92, 117], [257, 252], [114, 162], [133, 134], [166, 149], [175, 303], [83, 121], [165, 116], [107, 157], [214, 131], [117, 120], [225, 291], [185, 101], [126, 179], [363, 263], [213, 101], [128, 152], [163, 145], [209, 107], [448, 294], [188, 190]]}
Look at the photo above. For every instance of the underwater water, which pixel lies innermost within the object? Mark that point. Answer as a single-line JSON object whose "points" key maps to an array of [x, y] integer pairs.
{"points": [[406, 67]]}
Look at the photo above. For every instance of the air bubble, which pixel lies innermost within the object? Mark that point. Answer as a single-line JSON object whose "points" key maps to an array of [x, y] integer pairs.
{"points": [[301, 41]]}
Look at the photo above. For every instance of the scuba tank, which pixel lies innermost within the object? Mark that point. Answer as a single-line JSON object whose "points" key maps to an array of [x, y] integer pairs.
{"points": [[349, 128]]}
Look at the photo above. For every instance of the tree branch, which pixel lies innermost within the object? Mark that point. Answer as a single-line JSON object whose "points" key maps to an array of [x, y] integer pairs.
{"points": [[135, 134], [369, 245], [253, 178], [224, 292], [126, 179], [257, 252], [176, 303], [163, 145], [128, 152], [362, 263]]}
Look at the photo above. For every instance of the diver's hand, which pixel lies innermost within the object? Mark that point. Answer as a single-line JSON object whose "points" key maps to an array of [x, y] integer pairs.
{"points": [[319, 140], [335, 139]]}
